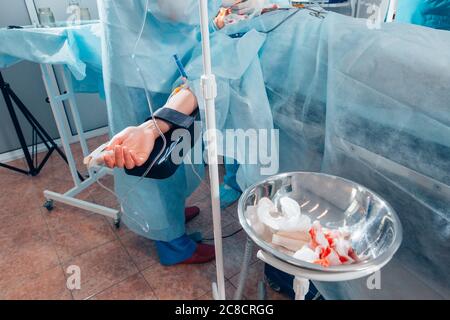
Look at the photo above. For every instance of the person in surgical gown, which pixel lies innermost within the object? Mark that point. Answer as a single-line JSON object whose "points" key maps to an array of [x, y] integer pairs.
{"points": [[369, 104], [430, 13], [172, 27]]}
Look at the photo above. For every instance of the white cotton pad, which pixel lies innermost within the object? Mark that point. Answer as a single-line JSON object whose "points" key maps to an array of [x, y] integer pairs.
{"points": [[288, 243], [300, 223], [268, 214], [290, 207], [95, 159], [293, 218], [306, 254], [290, 219], [297, 235]]}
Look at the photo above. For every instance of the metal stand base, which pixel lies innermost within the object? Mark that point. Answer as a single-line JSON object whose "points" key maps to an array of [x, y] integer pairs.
{"points": [[69, 198], [302, 276], [56, 98]]}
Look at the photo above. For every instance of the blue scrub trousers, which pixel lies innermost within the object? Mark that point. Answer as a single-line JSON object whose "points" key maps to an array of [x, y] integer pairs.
{"points": [[182, 248], [175, 251]]}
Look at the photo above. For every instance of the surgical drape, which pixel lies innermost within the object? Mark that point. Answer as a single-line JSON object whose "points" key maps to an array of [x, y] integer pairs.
{"points": [[371, 105]]}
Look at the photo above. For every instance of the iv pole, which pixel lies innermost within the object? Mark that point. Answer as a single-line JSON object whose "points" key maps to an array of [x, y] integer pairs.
{"points": [[209, 89]]}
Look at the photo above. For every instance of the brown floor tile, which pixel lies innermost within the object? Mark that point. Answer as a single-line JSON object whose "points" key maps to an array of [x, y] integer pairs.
{"points": [[184, 282], [102, 196], [229, 292], [232, 212], [25, 248], [19, 196], [132, 288], [56, 177], [20, 229], [255, 275], [7, 175], [98, 190], [105, 198], [102, 268], [75, 231], [233, 250], [34, 241], [59, 186], [30, 258], [48, 285], [78, 156], [121, 231], [141, 250], [55, 168], [204, 222]]}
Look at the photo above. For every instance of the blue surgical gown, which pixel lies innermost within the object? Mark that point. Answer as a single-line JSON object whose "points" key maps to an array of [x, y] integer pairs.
{"points": [[429, 13]]}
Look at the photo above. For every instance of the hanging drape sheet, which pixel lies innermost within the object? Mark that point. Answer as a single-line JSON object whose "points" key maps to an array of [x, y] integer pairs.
{"points": [[76, 47], [371, 105]]}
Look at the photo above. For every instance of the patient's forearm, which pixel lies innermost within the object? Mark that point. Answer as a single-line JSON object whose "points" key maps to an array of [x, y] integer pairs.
{"points": [[184, 102]]}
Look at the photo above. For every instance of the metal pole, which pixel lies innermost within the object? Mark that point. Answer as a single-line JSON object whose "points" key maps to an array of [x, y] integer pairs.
{"points": [[5, 89], [209, 88], [32, 12]]}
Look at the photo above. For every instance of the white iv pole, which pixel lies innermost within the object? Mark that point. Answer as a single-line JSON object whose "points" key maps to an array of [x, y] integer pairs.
{"points": [[209, 89]]}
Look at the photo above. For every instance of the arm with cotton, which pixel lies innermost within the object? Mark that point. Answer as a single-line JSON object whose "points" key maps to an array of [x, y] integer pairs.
{"points": [[132, 146]]}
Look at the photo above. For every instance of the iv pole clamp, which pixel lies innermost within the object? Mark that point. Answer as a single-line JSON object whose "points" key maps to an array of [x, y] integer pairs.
{"points": [[38, 132], [209, 90]]}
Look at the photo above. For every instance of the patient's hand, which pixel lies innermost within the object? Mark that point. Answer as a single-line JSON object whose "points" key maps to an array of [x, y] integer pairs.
{"points": [[131, 147]]}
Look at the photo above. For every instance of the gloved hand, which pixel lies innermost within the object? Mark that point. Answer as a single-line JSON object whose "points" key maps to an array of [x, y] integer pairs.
{"points": [[250, 6]]}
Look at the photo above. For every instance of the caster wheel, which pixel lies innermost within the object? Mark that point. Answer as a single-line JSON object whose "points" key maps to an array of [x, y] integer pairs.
{"points": [[117, 223], [48, 205]]}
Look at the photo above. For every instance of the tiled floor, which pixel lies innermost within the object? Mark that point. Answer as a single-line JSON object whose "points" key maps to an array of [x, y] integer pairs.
{"points": [[37, 246]]}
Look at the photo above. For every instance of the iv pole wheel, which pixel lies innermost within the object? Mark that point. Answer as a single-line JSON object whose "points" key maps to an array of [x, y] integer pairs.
{"points": [[117, 223], [49, 205]]}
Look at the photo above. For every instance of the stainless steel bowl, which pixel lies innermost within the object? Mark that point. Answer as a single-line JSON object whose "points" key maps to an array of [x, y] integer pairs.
{"points": [[376, 232]]}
